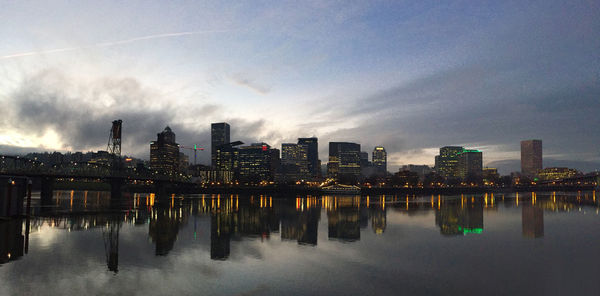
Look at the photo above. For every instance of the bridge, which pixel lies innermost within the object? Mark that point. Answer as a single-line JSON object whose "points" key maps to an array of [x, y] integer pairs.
{"points": [[112, 172]]}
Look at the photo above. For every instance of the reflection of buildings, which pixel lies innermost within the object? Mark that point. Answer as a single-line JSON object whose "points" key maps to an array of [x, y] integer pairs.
{"points": [[460, 217], [257, 221], [344, 219], [232, 218], [378, 219], [222, 225], [164, 227], [533, 221], [301, 226], [12, 241]]}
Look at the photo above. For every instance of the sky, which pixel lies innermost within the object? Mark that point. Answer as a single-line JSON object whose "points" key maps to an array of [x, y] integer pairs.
{"points": [[412, 76]]}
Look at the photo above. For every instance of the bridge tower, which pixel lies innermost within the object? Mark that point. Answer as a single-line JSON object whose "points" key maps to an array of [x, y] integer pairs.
{"points": [[114, 140], [114, 148]]}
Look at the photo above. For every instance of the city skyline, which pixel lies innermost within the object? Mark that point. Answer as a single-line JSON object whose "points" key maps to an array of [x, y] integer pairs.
{"points": [[409, 77]]}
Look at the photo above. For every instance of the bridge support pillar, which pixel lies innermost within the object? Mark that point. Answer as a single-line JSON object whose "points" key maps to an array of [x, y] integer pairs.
{"points": [[161, 193], [46, 192], [116, 185]]}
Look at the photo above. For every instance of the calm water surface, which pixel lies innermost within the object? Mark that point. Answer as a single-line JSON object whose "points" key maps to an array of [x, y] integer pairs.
{"points": [[540, 244]]}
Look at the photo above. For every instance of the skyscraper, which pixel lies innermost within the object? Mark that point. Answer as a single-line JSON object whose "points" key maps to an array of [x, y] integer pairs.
{"points": [[312, 154], [380, 159], [164, 152], [219, 135], [531, 157], [344, 161], [364, 160], [470, 166], [257, 162], [446, 162], [294, 161]]}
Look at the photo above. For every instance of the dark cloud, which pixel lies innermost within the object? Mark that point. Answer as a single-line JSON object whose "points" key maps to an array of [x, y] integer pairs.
{"points": [[81, 114]]}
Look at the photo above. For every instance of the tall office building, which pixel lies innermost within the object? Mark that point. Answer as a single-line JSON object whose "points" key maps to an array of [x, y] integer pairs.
{"points": [[226, 158], [470, 166], [294, 162], [219, 135], [364, 159], [312, 154], [531, 157], [257, 162], [447, 161], [164, 152], [289, 153], [344, 161], [379, 159]]}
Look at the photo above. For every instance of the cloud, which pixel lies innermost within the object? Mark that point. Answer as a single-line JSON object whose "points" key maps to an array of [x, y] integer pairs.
{"points": [[111, 43], [242, 80], [80, 113]]}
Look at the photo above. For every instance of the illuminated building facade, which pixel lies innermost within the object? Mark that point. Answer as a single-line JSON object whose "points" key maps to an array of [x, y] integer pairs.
{"points": [[531, 157], [490, 176], [311, 148], [379, 159], [211, 176], [257, 162], [344, 161], [226, 158], [219, 135], [294, 162], [470, 166], [164, 153], [184, 161], [549, 174], [446, 163]]}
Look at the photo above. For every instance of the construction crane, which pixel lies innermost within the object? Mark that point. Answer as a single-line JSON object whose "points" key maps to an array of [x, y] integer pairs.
{"points": [[195, 148]]}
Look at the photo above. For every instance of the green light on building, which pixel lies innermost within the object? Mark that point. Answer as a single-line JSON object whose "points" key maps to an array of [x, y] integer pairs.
{"points": [[470, 230]]}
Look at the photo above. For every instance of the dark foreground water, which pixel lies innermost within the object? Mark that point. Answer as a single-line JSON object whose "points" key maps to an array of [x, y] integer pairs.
{"points": [[525, 244]]}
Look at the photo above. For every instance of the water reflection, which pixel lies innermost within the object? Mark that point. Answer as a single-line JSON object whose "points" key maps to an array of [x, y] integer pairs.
{"points": [[459, 217], [110, 235], [12, 240], [533, 221], [234, 218]]}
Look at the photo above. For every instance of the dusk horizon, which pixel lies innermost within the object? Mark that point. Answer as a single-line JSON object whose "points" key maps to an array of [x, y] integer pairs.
{"points": [[409, 77], [313, 147]]}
